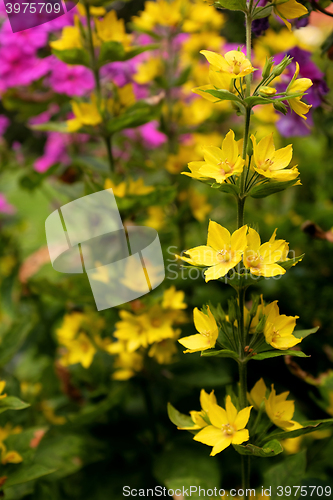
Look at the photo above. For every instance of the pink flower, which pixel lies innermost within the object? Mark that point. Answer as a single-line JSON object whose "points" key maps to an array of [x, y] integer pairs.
{"points": [[150, 135], [18, 68], [5, 207], [29, 41], [4, 123], [70, 80], [54, 152]]}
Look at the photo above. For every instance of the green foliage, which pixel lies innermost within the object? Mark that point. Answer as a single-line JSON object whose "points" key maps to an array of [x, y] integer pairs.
{"points": [[290, 472], [270, 449]]}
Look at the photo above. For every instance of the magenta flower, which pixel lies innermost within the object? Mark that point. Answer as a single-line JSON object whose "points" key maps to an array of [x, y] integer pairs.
{"points": [[5, 207], [4, 123], [54, 152], [149, 134], [70, 80], [18, 68], [29, 41]]}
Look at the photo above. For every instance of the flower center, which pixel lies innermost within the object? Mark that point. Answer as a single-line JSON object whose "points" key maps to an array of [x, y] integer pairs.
{"points": [[255, 260], [224, 255], [228, 430]]}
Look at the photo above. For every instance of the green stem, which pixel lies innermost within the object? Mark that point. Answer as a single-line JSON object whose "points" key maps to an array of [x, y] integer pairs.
{"points": [[108, 144], [248, 78], [242, 367], [245, 473]]}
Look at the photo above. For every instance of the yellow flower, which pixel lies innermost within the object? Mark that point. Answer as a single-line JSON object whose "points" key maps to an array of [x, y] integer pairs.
{"points": [[292, 445], [272, 163], [278, 328], [94, 11], [280, 411], [148, 70], [144, 329], [262, 259], [2, 386], [156, 218], [198, 204], [86, 114], [219, 164], [161, 13], [299, 85], [129, 188], [164, 350], [173, 299], [127, 365], [9, 430], [234, 63], [123, 98], [112, 29], [208, 332], [267, 91], [70, 38], [119, 191], [257, 394], [49, 414], [201, 418], [9, 457], [228, 427], [289, 10], [222, 253], [79, 350]]}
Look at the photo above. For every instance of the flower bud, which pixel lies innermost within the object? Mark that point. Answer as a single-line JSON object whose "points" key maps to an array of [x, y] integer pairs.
{"points": [[267, 91], [261, 325], [277, 70], [268, 67], [255, 304], [232, 311], [279, 106], [249, 151]]}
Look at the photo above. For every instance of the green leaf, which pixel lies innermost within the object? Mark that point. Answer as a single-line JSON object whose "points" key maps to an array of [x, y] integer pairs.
{"points": [[51, 127], [232, 4], [26, 473], [228, 188], [12, 403], [179, 419], [270, 449], [114, 51], [255, 100], [183, 467], [271, 187], [308, 427], [261, 12], [224, 353], [73, 56], [287, 264], [274, 353], [224, 95], [289, 472], [302, 334], [91, 163], [13, 337], [138, 114]]}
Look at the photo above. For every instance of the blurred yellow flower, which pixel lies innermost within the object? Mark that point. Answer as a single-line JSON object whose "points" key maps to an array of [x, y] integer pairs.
{"points": [[228, 427], [280, 411], [112, 29], [198, 204], [9, 457], [208, 332], [70, 38], [148, 70], [86, 114], [2, 386], [129, 187], [173, 299], [156, 217], [272, 163], [127, 365]]}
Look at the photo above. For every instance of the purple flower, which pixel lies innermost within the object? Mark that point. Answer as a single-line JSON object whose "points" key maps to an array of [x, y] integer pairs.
{"points": [[120, 72], [4, 123], [259, 26], [5, 207], [292, 125], [54, 152], [150, 135], [70, 80], [308, 69]]}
